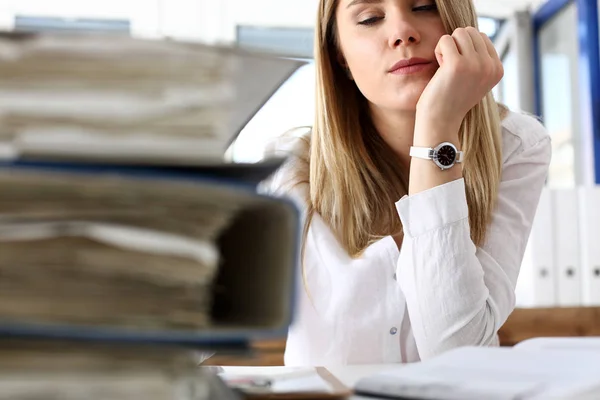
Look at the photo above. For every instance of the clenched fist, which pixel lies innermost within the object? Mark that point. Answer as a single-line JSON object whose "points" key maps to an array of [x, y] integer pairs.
{"points": [[469, 69]]}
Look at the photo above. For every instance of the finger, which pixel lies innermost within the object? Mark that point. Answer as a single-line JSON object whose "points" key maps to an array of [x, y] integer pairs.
{"points": [[446, 49], [463, 40], [477, 39], [490, 46]]}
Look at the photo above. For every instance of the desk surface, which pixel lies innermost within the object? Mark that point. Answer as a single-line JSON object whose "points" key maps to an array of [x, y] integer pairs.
{"points": [[294, 381]]}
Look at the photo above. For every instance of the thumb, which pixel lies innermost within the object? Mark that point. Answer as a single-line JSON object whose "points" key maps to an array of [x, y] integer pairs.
{"points": [[439, 56]]}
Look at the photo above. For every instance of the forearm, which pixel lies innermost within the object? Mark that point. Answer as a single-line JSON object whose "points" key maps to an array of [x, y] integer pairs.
{"points": [[424, 174]]}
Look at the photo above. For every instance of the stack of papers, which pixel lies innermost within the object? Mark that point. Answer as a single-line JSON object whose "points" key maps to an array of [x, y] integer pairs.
{"points": [[109, 251], [105, 219], [128, 100], [121, 222], [40, 370]]}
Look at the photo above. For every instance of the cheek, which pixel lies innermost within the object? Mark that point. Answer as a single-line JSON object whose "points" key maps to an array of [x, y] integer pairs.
{"points": [[361, 54], [365, 60], [439, 31]]}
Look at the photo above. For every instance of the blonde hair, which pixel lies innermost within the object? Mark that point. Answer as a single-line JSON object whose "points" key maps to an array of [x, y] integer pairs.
{"points": [[353, 175]]}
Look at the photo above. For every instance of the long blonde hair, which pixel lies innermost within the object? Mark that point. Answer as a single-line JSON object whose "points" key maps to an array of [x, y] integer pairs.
{"points": [[353, 175]]}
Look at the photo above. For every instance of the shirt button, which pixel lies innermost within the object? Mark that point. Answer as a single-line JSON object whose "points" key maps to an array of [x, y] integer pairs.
{"points": [[393, 331], [395, 277]]}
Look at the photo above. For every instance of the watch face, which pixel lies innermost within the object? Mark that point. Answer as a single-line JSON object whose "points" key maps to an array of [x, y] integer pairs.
{"points": [[446, 155]]}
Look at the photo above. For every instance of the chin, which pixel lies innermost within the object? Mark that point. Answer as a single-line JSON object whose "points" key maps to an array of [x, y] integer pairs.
{"points": [[405, 104], [405, 100]]}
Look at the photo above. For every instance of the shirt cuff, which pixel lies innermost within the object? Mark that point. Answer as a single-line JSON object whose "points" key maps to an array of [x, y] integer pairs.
{"points": [[433, 208]]}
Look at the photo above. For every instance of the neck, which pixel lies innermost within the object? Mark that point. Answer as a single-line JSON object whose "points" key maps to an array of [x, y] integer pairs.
{"points": [[397, 130]]}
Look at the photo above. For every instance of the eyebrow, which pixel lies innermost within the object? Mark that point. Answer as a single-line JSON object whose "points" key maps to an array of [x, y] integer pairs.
{"points": [[356, 2]]}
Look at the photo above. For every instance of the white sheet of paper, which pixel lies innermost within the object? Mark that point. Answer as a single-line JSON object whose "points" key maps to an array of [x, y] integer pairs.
{"points": [[491, 373], [283, 379]]}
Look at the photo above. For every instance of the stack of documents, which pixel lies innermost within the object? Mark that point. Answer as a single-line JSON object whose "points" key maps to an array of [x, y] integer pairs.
{"points": [[119, 216], [108, 251], [118, 98], [124, 233], [38, 370]]}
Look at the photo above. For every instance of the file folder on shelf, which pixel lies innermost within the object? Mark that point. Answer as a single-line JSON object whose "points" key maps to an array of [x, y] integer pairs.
{"points": [[589, 216], [537, 279], [566, 247]]}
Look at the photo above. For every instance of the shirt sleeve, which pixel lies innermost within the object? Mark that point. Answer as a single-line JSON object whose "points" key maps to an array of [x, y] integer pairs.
{"points": [[458, 294]]}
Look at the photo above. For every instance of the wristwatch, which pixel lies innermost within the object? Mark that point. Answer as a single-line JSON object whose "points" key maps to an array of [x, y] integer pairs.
{"points": [[444, 155]]}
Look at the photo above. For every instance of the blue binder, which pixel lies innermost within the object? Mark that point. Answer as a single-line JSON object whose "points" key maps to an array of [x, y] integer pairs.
{"points": [[268, 261]]}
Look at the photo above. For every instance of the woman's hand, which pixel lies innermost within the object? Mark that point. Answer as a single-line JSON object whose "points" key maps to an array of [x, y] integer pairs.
{"points": [[469, 69]]}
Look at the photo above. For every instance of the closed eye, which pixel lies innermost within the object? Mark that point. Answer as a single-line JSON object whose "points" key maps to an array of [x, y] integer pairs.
{"points": [[370, 21], [431, 7]]}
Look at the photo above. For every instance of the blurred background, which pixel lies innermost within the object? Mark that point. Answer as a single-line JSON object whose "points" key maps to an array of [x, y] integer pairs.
{"points": [[551, 57], [549, 48]]}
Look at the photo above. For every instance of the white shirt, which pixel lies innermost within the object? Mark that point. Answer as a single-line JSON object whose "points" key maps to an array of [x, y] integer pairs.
{"points": [[439, 291]]}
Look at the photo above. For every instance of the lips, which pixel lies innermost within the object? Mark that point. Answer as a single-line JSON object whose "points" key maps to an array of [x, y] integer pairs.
{"points": [[402, 64]]}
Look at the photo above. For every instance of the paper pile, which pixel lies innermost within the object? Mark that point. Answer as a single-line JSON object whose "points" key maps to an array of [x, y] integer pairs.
{"points": [[128, 100], [105, 217]]}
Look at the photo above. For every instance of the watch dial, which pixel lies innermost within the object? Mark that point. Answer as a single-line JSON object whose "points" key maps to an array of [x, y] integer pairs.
{"points": [[446, 155]]}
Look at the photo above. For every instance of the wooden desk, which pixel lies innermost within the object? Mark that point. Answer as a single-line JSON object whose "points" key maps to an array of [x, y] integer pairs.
{"points": [[527, 323], [521, 325]]}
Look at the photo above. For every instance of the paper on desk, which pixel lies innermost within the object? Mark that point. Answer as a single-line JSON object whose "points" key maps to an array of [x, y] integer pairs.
{"points": [[490, 373], [286, 382], [281, 379]]}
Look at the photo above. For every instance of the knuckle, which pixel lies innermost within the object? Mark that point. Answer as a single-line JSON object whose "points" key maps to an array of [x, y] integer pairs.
{"points": [[500, 71], [445, 40], [459, 32]]}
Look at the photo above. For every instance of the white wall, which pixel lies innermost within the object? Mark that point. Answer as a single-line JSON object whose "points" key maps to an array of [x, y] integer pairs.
{"points": [[204, 20], [268, 13], [143, 14]]}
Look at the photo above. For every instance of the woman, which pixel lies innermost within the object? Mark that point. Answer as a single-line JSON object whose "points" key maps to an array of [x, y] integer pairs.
{"points": [[405, 256]]}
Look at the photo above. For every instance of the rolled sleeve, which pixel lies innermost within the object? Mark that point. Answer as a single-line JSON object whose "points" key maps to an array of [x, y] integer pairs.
{"points": [[434, 208]]}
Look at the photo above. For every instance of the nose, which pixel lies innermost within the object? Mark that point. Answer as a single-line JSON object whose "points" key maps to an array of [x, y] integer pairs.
{"points": [[403, 32]]}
